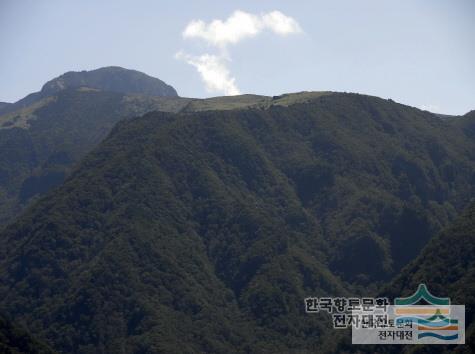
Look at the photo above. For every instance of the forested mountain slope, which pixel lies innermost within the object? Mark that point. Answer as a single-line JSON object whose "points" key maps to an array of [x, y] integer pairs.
{"points": [[39, 144], [447, 266], [205, 231]]}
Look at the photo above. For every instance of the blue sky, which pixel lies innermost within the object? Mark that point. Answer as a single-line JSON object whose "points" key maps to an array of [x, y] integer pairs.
{"points": [[418, 52]]}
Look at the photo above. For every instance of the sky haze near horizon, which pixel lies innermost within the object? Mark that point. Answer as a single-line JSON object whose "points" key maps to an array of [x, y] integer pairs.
{"points": [[417, 52]]}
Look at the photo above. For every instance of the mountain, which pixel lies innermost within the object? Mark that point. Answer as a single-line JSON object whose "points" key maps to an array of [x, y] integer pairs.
{"points": [[447, 266], [467, 123], [204, 231], [111, 79], [43, 135], [4, 105]]}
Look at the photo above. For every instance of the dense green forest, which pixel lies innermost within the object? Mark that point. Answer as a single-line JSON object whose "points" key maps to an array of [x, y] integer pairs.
{"points": [[44, 135], [203, 231], [447, 266], [40, 143], [15, 340]]}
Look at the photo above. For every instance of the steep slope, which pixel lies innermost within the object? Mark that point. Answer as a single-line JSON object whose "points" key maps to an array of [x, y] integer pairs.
{"points": [[205, 231], [43, 135], [447, 266], [166, 256], [42, 142]]}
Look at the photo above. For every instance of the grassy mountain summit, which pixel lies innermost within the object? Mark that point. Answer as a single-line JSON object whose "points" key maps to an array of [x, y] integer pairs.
{"points": [[112, 79], [204, 231], [251, 101]]}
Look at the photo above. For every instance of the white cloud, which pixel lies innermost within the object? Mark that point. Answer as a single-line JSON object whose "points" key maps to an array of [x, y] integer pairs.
{"points": [[221, 33], [241, 25], [238, 26], [213, 72], [280, 23]]}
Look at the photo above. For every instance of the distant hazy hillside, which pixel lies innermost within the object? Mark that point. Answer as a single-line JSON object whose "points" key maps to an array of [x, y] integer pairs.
{"points": [[204, 231]]}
